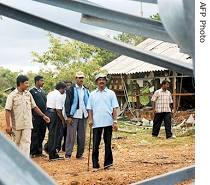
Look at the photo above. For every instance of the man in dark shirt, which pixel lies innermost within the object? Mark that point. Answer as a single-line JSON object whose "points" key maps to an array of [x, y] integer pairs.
{"points": [[39, 126]]}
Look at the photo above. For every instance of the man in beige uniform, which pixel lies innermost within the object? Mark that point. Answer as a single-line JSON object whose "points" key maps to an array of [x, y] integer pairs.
{"points": [[18, 110]]}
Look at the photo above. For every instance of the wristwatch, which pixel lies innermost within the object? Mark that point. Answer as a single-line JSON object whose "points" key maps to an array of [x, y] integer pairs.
{"points": [[115, 121]]}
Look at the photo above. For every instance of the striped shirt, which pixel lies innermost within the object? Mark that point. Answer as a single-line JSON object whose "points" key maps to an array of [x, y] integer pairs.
{"points": [[162, 100]]}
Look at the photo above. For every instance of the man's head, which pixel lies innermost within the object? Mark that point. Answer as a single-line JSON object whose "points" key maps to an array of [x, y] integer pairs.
{"points": [[101, 80], [79, 78], [68, 84], [39, 81], [61, 87], [22, 82], [165, 84]]}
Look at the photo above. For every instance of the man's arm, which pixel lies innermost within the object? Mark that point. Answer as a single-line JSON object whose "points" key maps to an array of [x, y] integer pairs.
{"points": [[60, 115], [8, 122], [40, 113], [114, 115], [69, 101], [90, 117]]}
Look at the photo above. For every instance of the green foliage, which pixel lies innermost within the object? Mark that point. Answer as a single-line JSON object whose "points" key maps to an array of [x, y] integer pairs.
{"points": [[69, 56], [7, 78], [65, 58], [130, 38], [3, 98], [156, 17]]}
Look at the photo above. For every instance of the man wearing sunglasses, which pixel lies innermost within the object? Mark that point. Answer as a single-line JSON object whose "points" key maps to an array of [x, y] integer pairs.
{"points": [[76, 112]]}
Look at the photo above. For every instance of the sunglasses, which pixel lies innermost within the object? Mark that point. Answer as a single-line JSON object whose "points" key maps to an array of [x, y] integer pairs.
{"points": [[80, 77]]}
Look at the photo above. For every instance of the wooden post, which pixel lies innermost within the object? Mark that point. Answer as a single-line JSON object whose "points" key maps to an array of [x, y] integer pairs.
{"points": [[174, 91]]}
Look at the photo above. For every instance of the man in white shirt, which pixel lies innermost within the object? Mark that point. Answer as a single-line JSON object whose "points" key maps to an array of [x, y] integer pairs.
{"points": [[75, 107], [54, 110]]}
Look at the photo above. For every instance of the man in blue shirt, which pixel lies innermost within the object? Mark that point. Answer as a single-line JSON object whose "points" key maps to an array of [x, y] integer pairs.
{"points": [[76, 112], [102, 106]]}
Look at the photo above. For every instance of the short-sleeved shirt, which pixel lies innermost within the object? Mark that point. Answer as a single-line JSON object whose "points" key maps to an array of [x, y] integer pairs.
{"points": [[55, 100], [20, 105], [39, 98], [102, 104], [162, 100]]}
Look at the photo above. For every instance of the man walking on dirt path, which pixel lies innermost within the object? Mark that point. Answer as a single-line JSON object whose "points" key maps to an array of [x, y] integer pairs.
{"points": [[18, 111], [102, 106], [75, 106], [39, 125], [54, 110], [162, 103]]}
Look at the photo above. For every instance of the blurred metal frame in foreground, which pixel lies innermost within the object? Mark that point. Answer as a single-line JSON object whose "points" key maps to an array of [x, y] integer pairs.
{"points": [[16, 169], [170, 178]]}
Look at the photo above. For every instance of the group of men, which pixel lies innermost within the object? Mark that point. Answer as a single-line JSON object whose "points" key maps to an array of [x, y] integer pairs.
{"points": [[64, 111]]}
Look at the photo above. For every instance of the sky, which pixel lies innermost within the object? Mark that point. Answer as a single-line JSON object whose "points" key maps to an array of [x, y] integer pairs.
{"points": [[18, 40]]}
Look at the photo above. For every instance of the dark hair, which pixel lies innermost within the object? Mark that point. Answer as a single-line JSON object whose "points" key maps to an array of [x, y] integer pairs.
{"points": [[21, 79], [67, 82], [37, 78], [164, 82], [60, 85]]}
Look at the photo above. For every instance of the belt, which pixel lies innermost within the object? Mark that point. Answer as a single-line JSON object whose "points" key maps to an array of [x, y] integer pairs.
{"points": [[51, 110]]}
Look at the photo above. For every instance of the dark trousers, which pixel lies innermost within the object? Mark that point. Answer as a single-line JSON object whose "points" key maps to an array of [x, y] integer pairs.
{"points": [[107, 136], [64, 137], [53, 135], [159, 117], [60, 134], [37, 135]]}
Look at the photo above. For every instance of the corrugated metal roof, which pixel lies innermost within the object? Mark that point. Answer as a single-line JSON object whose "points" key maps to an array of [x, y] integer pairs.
{"points": [[127, 65]]}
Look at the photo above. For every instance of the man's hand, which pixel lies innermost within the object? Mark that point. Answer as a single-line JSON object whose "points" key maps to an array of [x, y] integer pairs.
{"points": [[114, 126], [69, 120], [47, 119], [9, 130]]}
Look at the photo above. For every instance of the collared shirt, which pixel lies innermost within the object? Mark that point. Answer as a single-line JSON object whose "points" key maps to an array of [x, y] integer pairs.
{"points": [[39, 98], [20, 105], [55, 100], [102, 104], [82, 110], [162, 100]]}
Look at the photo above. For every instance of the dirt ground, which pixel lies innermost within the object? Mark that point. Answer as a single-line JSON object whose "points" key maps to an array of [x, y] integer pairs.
{"points": [[136, 157]]}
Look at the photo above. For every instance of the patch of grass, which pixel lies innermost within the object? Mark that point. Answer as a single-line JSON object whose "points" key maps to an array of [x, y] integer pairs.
{"points": [[143, 136]]}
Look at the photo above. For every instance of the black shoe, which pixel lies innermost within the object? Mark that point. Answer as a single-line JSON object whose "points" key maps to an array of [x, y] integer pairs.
{"points": [[67, 157], [55, 157], [108, 167], [37, 155], [79, 157]]}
